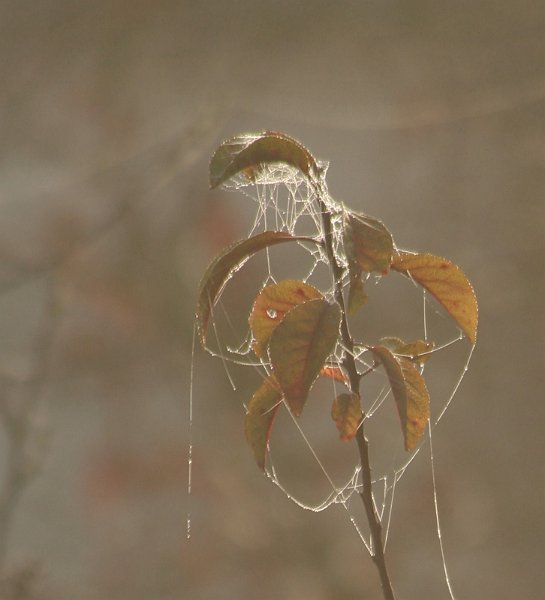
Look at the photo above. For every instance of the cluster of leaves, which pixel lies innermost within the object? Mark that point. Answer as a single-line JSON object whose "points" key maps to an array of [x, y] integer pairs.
{"points": [[296, 329]]}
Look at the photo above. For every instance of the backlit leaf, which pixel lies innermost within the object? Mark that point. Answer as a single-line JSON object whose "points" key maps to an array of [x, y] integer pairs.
{"points": [[272, 303], [417, 351], [260, 416], [299, 347], [347, 414], [410, 394], [228, 262], [446, 283], [367, 243], [247, 152]]}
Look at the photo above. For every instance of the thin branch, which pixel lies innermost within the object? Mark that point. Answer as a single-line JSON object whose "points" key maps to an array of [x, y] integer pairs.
{"points": [[349, 365]]}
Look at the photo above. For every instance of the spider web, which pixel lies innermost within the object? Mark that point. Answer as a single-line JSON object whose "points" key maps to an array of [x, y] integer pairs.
{"points": [[285, 201]]}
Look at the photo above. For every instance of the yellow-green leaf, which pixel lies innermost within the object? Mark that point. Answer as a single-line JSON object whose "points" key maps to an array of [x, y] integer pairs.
{"points": [[446, 283], [228, 262], [418, 351], [347, 414], [248, 151], [272, 303], [260, 416], [410, 394], [299, 347]]}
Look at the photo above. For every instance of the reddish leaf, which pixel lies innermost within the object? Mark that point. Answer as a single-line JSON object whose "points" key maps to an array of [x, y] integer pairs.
{"points": [[248, 151], [347, 414], [272, 303], [417, 351], [335, 373], [299, 346], [446, 283], [410, 394], [260, 416], [228, 262]]}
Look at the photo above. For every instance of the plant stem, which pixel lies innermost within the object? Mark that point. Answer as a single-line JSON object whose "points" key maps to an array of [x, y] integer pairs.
{"points": [[354, 377]]}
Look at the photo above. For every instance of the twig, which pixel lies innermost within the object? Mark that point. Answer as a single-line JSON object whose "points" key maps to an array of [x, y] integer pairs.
{"points": [[354, 377]]}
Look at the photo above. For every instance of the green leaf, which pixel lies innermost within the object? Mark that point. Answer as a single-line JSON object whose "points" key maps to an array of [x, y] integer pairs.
{"points": [[248, 151], [410, 394], [299, 346], [228, 262], [347, 414], [446, 283], [260, 416], [417, 351], [272, 303]]}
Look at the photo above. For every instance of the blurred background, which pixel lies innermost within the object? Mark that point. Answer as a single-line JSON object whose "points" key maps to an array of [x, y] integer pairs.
{"points": [[432, 115]]}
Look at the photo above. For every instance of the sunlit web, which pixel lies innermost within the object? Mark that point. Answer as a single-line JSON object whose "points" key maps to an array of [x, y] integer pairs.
{"points": [[285, 201]]}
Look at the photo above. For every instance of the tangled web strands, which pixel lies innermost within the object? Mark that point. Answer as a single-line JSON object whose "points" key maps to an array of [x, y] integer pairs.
{"points": [[286, 201]]}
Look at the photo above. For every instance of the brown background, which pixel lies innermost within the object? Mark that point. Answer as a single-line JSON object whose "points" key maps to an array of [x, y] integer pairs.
{"points": [[433, 117]]}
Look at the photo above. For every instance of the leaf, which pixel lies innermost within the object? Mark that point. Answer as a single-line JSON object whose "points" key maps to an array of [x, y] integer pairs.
{"points": [[410, 394], [299, 347], [260, 416], [335, 373], [272, 303], [417, 351], [356, 294], [347, 414], [228, 262], [368, 244], [446, 283], [248, 151], [369, 247]]}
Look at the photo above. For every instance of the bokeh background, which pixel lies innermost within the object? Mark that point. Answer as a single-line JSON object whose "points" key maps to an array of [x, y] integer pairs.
{"points": [[432, 115]]}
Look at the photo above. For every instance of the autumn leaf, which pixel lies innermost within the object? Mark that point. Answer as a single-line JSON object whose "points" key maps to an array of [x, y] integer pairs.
{"points": [[299, 346], [272, 303], [369, 248], [347, 414], [247, 152], [260, 416], [228, 262], [410, 394], [446, 283], [335, 373], [367, 242], [356, 292]]}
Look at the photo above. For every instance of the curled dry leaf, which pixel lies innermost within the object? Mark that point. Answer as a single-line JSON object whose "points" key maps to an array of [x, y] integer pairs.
{"points": [[410, 394], [272, 303], [260, 416], [228, 262], [347, 414], [446, 283], [299, 347], [247, 152]]}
